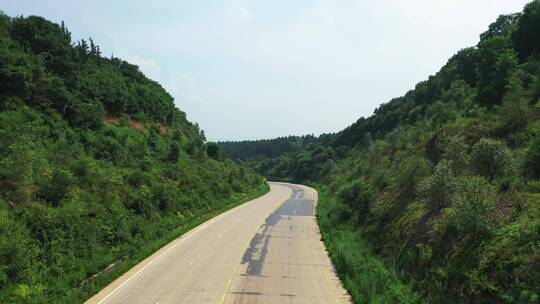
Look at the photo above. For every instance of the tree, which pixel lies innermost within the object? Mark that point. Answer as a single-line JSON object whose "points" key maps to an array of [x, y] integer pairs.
{"points": [[17, 172], [56, 188], [368, 140], [515, 111], [532, 157], [438, 190], [465, 65], [213, 150], [41, 35], [88, 115], [455, 152], [357, 196], [441, 112], [526, 37], [174, 152], [16, 73], [473, 208], [459, 94], [496, 60], [503, 26], [491, 158], [51, 91]]}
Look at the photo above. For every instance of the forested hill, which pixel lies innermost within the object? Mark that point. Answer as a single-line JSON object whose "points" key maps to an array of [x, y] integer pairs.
{"points": [[96, 165], [442, 183]]}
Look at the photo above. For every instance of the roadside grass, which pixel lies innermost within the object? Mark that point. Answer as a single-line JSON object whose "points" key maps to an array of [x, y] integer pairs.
{"points": [[367, 277], [112, 273]]}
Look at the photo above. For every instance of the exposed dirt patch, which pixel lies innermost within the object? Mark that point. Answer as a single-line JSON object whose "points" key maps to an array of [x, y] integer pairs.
{"points": [[110, 119], [137, 125]]}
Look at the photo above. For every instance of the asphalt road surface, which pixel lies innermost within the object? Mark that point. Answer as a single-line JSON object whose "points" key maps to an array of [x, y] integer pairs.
{"points": [[267, 250]]}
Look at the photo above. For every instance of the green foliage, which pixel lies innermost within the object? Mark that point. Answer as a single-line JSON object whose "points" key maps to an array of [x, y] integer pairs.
{"points": [[463, 232], [56, 187], [265, 148], [213, 150], [508, 260], [411, 172], [86, 115], [18, 172], [526, 36], [95, 164], [497, 60], [491, 158], [473, 208], [515, 110], [455, 153], [174, 153], [438, 190], [368, 278], [357, 196], [532, 157], [503, 26]]}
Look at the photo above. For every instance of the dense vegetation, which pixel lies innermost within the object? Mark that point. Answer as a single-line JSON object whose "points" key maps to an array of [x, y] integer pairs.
{"points": [[364, 274], [442, 183], [95, 164], [265, 148]]}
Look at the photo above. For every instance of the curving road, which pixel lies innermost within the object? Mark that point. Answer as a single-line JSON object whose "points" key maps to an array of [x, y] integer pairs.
{"points": [[267, 250]]}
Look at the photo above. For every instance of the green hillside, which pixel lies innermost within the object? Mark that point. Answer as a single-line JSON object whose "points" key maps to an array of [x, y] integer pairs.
{"points": [[96, 165], [435, 198]]}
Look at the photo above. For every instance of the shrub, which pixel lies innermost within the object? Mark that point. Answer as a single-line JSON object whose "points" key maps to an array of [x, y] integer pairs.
{"points": [[56, 187], [213, 151], [108, 148], [17, 173], [411, 171], [473, 208], [491, 158], [525, 37], [174, 152], [438, 189], [357, 197], [532, 157], [455, 152], [86, 114]]}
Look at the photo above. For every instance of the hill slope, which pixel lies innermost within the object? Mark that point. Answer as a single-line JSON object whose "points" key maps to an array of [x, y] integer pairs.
{"points": [[442, 183], [96, 164]]}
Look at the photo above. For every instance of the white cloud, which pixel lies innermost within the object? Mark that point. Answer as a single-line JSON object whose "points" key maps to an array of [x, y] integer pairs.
{"points": [[238, 11], [148, 66], [325, 11], [185, 90]]}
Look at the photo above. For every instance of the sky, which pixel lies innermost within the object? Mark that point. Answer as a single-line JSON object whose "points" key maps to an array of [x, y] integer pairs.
{"points": [[253, 69]]}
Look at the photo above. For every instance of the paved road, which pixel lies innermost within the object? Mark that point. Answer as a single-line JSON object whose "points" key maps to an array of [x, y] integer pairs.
{"points": [[265, 251]]}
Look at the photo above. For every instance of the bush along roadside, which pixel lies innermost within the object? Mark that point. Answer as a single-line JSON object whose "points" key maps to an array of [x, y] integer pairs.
{"points": [[367, 277]]}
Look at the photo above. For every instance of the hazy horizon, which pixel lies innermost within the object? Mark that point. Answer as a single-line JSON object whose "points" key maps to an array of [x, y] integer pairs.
{"points": [[254, 70]]}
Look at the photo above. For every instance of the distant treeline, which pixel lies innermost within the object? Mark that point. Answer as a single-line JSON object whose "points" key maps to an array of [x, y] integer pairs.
{"points": [[265, 148]]}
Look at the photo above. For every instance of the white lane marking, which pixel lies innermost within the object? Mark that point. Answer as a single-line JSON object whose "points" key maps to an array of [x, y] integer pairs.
{"points": [[179, 240], [153, 261]]}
